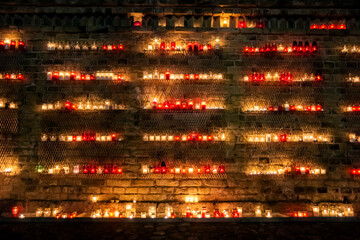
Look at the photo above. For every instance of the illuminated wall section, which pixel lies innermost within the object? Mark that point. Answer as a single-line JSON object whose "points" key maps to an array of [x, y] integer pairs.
{"points": [[189, 115]]}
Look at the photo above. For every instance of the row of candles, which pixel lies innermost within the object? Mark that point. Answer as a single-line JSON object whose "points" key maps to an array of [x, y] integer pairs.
{"points": [[167, 75], [159, 45], [163, 169], [350, 49], [274, 48], [52, 46], [191, 212], [73, 76], [181, 105], [192, 46], [282, 77], [177, 104], [8, 44], [305, 137], [193, 137], [77, 169], [84, 137], [12, 76], [354, 138], [181, 170], [254, 77], [7, 105], [242, 23], [83, 105], [298, 170], [286, 108], [352, 78], [114, 169], [352, 109], [340, 25]]}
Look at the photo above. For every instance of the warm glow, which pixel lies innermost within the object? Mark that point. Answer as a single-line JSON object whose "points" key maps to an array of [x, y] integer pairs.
{"points": [[84, 137], [285, 108], [84, 46], [182, 104], [181, 76], [77, 76], [83, 105], [194, 137], [295, 48], [304, 137], [282, 77]]}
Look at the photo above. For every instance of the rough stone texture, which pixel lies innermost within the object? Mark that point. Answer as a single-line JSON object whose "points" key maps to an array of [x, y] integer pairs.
{"points": [[37, 25]]}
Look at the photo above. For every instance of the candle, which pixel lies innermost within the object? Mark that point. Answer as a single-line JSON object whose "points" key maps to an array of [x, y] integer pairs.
{"points": [[152, 211], [268, 213], [258, 212], [39, 212], [217, 44], [15, 211]]}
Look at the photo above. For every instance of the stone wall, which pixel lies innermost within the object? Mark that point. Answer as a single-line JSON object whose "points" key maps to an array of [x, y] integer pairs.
{"points": [[111, 22]]}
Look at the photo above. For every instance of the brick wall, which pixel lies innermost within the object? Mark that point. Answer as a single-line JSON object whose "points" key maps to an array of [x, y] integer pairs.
{"points": [[21, 136]]}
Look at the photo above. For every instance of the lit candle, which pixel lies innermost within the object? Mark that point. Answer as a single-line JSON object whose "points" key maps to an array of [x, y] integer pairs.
{"points": [[316, 211], [268, 213], [258, 212], [217, 44]]}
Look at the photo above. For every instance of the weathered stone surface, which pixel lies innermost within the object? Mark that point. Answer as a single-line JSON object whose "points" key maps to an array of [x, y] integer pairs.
{"points": [[108, 23]]}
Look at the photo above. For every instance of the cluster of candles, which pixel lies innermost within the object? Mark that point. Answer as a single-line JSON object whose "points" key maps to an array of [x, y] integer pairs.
{"points": [[77, 169], [72, 76], [300, 214], [294, 48], [52, 46], [6, 170], [204, 213], [7, 105], [12, 44], [355, 171], [352, 109], [235, 213], [12, 76], [306, 137], [354, 138], [181, 105], [158, 45], [130, 211], [250, 24], [193, 137], [46, 212], [287, 108], [299, 170], [163, 169], [85, 105], [342, 210], [282, 77], [181, 76], [85, 137], [351, 78], [350, 49], [328, 25]]}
